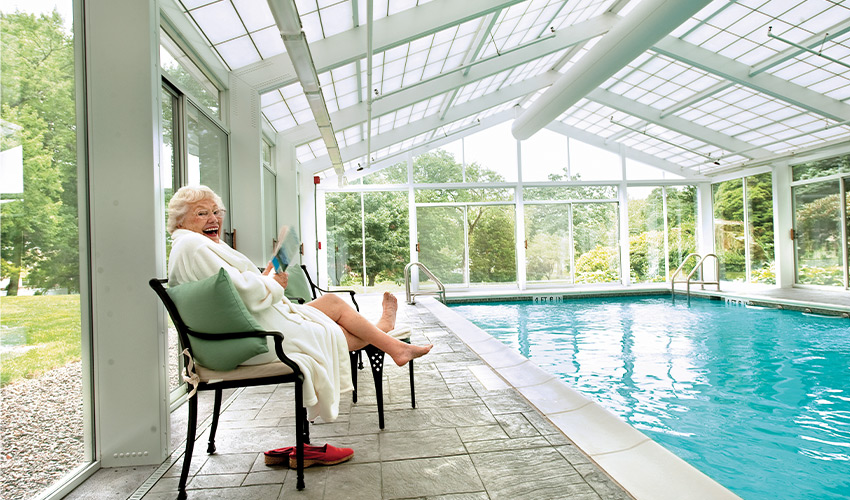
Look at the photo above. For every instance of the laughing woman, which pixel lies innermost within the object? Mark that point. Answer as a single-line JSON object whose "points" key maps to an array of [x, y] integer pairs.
{"points": [[317, 335]]}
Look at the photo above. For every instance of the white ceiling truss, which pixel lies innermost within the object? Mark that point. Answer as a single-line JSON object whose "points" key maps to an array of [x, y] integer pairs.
{"points": [[713, 93]]}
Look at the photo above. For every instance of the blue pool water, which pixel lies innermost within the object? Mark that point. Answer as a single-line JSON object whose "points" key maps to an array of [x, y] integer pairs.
{"points": [[757, 399]]}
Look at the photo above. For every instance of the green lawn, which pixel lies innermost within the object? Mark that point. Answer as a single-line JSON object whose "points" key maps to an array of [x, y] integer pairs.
{"points": [[51, 324]]}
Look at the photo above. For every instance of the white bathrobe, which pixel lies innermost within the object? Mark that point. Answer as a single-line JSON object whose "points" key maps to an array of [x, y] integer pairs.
{"points": [[311, 339]]}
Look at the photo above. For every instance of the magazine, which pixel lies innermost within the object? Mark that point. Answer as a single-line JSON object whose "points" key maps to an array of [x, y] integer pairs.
{"points": [[286, 249]]}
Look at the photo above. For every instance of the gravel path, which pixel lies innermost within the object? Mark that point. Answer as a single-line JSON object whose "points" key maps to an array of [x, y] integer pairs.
{"points": [[41, 431]]}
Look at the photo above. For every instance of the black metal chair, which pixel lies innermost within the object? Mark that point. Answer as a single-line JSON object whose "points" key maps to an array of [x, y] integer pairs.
{"points": [[375, 356], [278, 372]]}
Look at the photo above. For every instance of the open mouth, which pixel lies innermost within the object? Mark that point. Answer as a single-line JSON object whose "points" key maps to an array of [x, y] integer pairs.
{"points": [[211, 232]]}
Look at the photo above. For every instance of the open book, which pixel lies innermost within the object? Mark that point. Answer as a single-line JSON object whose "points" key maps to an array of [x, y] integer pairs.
{"points": [[287, 248]]}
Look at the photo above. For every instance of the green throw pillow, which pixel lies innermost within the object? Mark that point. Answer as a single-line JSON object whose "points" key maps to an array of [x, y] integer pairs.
{"points": [[297, 286], [213, 305]]}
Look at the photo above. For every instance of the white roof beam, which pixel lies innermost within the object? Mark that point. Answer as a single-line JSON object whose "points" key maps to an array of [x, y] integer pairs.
{"points": [[352, 115], [428, 123], [699, 96], [350, 45], [484, 29], [765, 83], [629, 38], [811, 42], [674, 123]]}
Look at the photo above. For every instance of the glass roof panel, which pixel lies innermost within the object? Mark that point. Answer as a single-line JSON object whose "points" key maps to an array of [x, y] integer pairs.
{"points": [[733, 29], [219, 21], [268, 42], [238, 52], [336, 18], [255, 15]]}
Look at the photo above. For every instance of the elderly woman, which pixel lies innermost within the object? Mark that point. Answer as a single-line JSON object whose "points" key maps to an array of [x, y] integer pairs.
{"points": [[317, 335]]}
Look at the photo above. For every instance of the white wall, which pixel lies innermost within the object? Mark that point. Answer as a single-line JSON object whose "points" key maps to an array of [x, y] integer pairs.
{"points": [[126, 231]]}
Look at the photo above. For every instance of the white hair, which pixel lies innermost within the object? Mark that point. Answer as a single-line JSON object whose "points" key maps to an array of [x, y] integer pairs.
{"points": [[183, 200]]}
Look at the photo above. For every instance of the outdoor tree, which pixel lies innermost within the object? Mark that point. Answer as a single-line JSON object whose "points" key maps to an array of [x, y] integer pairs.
{"points": [[39, 228]]}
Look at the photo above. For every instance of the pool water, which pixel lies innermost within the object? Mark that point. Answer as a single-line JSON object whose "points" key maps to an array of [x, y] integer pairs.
{"points": [[758, 399]]}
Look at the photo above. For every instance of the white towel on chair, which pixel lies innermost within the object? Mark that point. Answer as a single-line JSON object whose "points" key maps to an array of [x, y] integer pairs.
{"points": [[401, 333]]}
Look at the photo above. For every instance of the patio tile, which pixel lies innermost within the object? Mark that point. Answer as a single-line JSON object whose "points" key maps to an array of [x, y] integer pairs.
{"points": [[228, 463], [354, 482], [420, 444], [531, 473], [202, 481], [429, 476], [516, 425]]}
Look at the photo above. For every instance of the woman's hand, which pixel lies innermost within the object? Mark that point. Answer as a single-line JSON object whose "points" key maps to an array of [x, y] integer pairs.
{"points": [[281, 278]]}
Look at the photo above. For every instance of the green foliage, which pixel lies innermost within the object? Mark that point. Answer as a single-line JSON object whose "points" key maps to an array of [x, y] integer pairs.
{"points": [[766, 274], [52, 326], [492, 252], [731, 237], [598, 265], [387, 242], [821, 168], [40, 229], [817, 275], [440, 238]]}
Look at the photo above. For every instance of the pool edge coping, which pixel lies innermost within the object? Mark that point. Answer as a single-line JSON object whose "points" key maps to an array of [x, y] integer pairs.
{"points": [[642, 467]]}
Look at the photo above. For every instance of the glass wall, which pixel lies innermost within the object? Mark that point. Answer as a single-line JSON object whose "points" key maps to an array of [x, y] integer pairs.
{"points": [[817, 230], [647, 235], [368, 239], [548, 244], [441, 242], [743, 229], [269, 198], [821, 224], [466, 206], [662, 230], [41, 374], [344, 219], [194, 150], [595, 242], [492, 245]]}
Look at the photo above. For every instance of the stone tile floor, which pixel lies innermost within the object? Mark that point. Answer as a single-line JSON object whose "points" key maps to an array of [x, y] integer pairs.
{"points": [[468, 439]]}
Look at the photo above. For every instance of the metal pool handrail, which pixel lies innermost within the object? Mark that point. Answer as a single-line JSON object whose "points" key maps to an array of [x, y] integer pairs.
{"points": [[441, 289], [688, 280]]}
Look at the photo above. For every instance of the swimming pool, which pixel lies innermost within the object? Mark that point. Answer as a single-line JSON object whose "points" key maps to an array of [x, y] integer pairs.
{"points": [[758, 399]]}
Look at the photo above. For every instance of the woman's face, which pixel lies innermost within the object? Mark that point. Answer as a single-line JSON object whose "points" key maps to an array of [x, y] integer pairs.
{"points": [[204, 217]]}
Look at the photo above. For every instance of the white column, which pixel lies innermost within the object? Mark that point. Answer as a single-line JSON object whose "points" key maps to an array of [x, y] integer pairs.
{"points": [[127, 249], [623, 197], [246, 170], [783, 222], [705, 227], [519, 203]]}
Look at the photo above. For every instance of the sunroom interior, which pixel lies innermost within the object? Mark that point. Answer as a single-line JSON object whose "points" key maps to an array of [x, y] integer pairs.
{"points": [[508, 146]]}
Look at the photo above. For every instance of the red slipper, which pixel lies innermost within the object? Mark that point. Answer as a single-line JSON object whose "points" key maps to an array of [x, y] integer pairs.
{"points": [[321, 455], [281, 455], [278, 456]]}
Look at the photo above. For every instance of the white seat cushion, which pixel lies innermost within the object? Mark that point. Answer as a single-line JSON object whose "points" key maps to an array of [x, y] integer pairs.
{"points": [[243, 372]]}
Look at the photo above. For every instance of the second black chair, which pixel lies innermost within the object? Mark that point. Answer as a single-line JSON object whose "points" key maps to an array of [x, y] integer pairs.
{"points": [[375, 356]]}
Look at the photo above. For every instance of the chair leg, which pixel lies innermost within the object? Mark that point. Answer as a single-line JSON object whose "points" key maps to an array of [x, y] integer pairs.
{"points": [[360, 359], [300, 431], [376, 359], [353, 356], [214, 426], [190, 447], [306, 432], [412, 387]]}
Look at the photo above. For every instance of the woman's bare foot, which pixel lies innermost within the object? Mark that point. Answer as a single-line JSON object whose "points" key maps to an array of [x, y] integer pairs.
{"points": [[390, 305], [411, 352]]}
